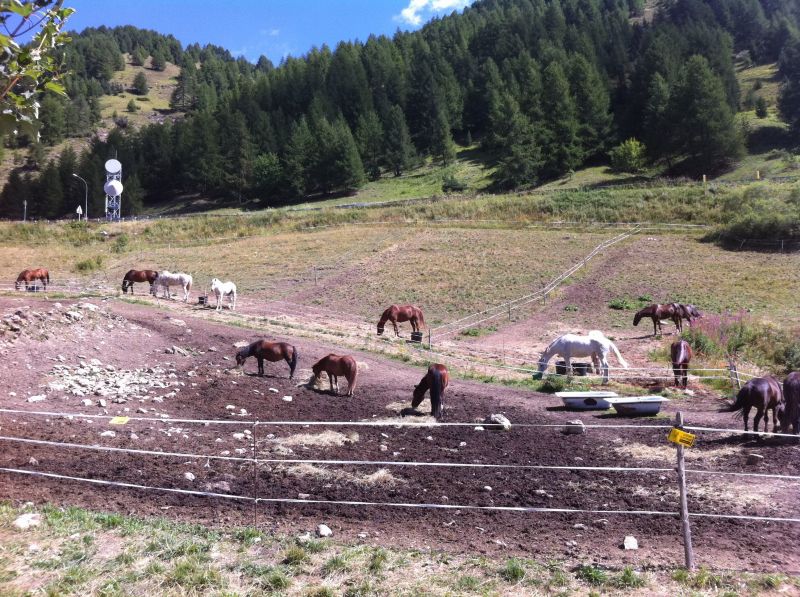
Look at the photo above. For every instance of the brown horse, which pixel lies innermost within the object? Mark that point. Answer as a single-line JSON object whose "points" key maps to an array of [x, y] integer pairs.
{"points": [[31, 275], [138, 275], [688, 312], [435, 380], [763, 394], [270, 351], [681, 354], [789, 411], [335, 365], [659, 312], [400, 313]]}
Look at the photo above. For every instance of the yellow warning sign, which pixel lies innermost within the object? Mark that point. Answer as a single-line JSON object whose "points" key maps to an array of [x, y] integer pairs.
{"points": [[119, 420], [680, 437]]}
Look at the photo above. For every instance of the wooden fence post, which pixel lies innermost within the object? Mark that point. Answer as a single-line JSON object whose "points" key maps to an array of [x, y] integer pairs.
{"points": [[685, 528], [429, 339]]}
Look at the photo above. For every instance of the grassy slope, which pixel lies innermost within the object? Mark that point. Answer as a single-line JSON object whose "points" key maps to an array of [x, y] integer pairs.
{"points": [[77, 552]]}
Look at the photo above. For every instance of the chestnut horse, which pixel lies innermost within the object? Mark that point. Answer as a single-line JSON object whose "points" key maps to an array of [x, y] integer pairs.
{"points": [[435, 380], [400, 313], [763, 394], [31, 275], [659, 312], [138, 275], [264, 350], [335, 365], [681, 354], [789, 411]]}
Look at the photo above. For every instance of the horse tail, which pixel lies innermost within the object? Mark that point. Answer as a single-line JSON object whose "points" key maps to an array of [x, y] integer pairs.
{"points": [[737, 405], [189, 284], [293, 362], [622, 361], [791, 397], [436, 392], [421, 319]]}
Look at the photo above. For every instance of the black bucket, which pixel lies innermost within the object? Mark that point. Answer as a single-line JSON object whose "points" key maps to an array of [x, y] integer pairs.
{"points": [[33, 289], [579, 369], [202, 300], [416, 336]]}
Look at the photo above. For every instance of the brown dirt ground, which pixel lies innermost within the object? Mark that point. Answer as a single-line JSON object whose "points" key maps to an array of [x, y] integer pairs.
{"points": [[386, 385]]}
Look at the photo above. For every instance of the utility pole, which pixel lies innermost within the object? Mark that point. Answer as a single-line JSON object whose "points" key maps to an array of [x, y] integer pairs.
{"points": [[85, 196]]}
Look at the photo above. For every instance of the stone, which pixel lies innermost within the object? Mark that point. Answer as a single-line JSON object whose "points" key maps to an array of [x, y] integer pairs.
{"points": [[101, 403], [274, 390], [574, 427], [188, 476], [497, 422], [108, 433], [75, 315], [219, 486], [324, 531], [487, 487], [239, 436], [630, 543], [87, 402], [579, 526], [32, 461], [754, 459], [287, 398], [27, 521], [38, 398], [303, 496], [230, 407]]}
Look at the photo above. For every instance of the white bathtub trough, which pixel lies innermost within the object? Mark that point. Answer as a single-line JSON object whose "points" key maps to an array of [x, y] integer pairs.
{"points": [[635, 406], [593, 400]]}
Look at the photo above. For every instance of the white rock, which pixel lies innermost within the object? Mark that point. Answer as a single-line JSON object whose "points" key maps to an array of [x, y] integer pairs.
{"points": [[478, 428], [579, 526], [274, 390], [32, 461], [188, 476], [87, 402], [497, 422], [230, 407], [12, 393], [38, 398], [383, 448], [75, 315], [101, 403], [755, 459], [574, 427], [324, 531], [487, 487], [26, 521], [238, 436], [462, 444], [630, 542], [108, 433], [287, 398]]}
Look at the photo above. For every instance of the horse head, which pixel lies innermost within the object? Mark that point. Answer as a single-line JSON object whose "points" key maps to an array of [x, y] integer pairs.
{"points": [[241, 356], [316, 369], [637, 318]]}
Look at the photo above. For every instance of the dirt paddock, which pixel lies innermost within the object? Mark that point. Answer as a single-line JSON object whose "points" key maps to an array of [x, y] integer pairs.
{"points": [[112, 341]]}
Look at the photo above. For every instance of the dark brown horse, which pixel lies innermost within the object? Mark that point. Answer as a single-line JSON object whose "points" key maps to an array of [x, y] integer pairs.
{"points": [[400, 313], [789, 411], [138, 275], [680, 354], [31, 275], [335, 365], [688, 312], [657, 313], [435, 380], [264, 350], [763, 394]]}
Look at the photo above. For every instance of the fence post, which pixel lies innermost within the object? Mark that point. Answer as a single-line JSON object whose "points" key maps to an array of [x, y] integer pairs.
{"points": [[255, 477], [429, 339], [736, 381], [685, 528], [315, 275]]}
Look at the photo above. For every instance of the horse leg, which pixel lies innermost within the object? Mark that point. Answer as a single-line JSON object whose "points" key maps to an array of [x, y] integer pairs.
{"points": [[605, 368], [775, 420], [351, 385], [396, 331], [260, 365], [757, 418], [685, 374]]}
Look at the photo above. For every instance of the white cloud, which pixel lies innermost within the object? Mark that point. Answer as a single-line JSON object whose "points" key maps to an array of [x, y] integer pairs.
{"points": [[417, 10]]}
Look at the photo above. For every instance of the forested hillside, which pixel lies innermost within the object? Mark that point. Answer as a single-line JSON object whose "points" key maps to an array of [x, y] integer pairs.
{"points": [[544, 86]]}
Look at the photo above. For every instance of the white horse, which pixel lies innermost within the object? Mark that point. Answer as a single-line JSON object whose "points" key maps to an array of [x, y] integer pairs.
{"points": [[594, 345], [222, 289], [166, 279]]}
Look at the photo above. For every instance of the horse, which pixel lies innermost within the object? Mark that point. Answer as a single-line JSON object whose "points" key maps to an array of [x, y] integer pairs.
{"points": [[166, 279], [264, 350], [763, 394], [435, 380], [400, 313], [335, 365], [138, 275], [688, 312], [594, 345], [789, 411], [659, 312], [680, 355], [221, 289], [31, 275]]}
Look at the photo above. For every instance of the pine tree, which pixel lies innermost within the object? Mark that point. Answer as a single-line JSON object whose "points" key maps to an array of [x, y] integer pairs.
{"points": [[52, 119], [705, 129], [140, 85], [267, 175], [138, 56], [592, 102], [520, 158], [134, 196], [560, 143], [50, 191], [369, 138], [184, 96], [442, 146], [399, 150], [656, 133], [158, 62], [14, 193], [789, 98], [350, 170], [300, 158]]}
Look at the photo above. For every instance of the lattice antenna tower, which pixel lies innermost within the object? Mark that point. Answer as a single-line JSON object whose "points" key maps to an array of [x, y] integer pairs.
{"points": [[113, 189]]}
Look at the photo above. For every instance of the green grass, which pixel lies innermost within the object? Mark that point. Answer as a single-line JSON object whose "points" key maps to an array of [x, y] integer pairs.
{"points": [[513, 571], [592, 575]]}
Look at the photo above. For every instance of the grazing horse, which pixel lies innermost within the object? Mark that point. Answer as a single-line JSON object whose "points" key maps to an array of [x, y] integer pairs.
{"points": [[263, 350], [400, 313], [435, 380], [221, 289], [138, 275], [763, 394], [659, 312], [166, 279], [335, 365], [31, 275], [789, 411], [680, 354], [594, 345], [688, 312]]}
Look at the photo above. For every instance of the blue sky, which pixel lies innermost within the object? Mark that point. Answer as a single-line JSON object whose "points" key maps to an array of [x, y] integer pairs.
{"points": [[274, 28]]}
